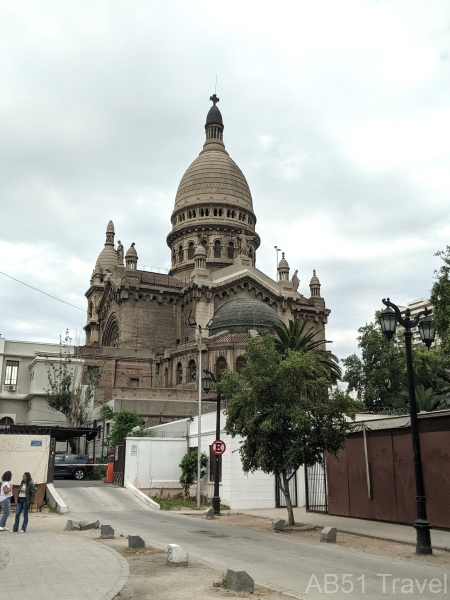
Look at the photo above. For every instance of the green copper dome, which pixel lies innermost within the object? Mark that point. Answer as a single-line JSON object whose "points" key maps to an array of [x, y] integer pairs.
{"points": [[238, 316]]}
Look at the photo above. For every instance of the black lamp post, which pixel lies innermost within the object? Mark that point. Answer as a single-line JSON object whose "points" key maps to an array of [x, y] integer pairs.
{"points": [[388, 321], [206, 384]]}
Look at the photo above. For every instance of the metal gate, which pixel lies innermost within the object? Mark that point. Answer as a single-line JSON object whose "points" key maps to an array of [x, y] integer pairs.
{"points": [[316, 488], [119, 464], [280, 500]]}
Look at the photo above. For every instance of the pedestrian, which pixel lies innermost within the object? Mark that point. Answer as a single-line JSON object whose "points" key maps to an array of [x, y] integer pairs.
{"points": [[24, 500], [5, 498]]}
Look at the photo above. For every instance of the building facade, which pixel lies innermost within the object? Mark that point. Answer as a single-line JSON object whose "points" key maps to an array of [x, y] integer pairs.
{"points": [[144, 328]]}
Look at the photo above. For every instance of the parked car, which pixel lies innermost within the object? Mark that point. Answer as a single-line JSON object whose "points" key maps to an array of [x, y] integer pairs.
{"points": [[73, 465]]}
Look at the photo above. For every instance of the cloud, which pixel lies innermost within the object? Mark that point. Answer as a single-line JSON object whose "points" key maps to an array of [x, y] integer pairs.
{"points": [[335, 112]]}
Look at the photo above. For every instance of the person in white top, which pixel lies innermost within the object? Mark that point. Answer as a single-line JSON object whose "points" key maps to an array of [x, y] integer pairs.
{"points": [[5, 498]]}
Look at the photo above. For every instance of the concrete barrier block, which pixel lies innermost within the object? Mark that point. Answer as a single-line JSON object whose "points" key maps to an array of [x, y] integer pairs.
{"points": [[93, 525], [106, 532], [328, 534], [208, 514], [134, 541], [72, 525], [176, 555], [240, 581], [278, 524]]}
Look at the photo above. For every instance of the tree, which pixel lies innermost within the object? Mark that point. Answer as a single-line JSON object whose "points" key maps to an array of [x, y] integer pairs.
{"points": [[188, 466], [282, 407], [379, 376], [64, 391], [440, 299], [123, 423], [427, 400], [294, 337]]}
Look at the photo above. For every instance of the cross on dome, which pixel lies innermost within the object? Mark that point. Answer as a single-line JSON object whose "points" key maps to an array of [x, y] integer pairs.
{"points": [[214, 99]]}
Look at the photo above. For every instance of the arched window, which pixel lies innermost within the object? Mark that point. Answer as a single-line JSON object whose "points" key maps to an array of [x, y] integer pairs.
{"points": [[231, 250], [240, 363], [6, 421], [191, 250], [192, 370], [217, 249], [179, 373], [110, 335], [180, 254], [221, 365], [166, 377]]}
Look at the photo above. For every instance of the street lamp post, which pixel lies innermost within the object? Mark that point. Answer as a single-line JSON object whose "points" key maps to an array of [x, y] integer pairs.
{"points": [[388, 321], [193, 323], [206, 383]]}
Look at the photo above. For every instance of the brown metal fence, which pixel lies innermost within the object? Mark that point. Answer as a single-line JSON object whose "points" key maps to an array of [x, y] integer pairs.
{"points": [[384, 488]]}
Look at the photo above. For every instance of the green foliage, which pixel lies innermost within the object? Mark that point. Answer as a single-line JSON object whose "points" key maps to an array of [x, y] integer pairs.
{"points": [[64, 393], [222, 583], [98, 473], [106, 413], [294, 337], [379, 377], [427, 400], [123, 423], [180, 501], [188, 466], [282, 407], [440, 299]]}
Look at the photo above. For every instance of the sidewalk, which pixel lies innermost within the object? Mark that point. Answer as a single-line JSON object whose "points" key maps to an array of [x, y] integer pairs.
{"points": [[39, 565], [377, 529]]}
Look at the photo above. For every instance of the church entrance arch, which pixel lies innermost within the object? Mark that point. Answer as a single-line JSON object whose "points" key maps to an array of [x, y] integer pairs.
{"points": [[111, 333]]}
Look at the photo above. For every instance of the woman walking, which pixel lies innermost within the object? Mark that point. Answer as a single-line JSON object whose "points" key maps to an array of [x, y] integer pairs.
{"points": [[5, 498], [24, 500]]}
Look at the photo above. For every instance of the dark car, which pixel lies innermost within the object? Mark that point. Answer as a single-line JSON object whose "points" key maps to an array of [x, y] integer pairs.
{"points": [[73, 465]]}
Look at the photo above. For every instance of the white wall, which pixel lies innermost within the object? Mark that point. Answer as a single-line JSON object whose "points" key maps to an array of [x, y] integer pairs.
{"points": [[153, 460], [156, 459], [18, 455]]}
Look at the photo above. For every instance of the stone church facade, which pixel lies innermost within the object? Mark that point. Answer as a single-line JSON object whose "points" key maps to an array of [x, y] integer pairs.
{"points": [[139, 323]]}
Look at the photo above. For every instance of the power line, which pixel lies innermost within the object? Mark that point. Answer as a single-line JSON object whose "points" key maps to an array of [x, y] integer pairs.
{"points": [[41, 292]]}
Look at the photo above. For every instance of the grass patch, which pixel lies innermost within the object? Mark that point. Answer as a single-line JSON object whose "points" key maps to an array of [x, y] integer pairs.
{"points": [[179, 502], [222, 583], [141, 551]]}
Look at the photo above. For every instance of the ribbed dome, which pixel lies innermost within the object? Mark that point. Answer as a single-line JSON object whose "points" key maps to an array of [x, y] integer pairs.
{"points": [[283, 264], [214, 117], [314, 279], [108, 256], [238, 316], [131, 252], [213, 172]]}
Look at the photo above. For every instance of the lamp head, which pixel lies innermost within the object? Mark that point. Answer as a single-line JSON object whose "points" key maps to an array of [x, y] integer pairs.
{"points": [[426, 330], [192, 322], [206, 382], [388, 322]]}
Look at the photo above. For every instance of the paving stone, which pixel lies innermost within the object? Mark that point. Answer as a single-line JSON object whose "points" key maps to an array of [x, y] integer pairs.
{"points": [[106, 532], [278, 524], [93, 525], [176, 555], [328, 534], [239, 581], [208, 514], [134, 541]]}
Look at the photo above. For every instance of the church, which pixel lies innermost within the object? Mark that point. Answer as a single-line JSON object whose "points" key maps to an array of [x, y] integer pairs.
{"points": [[145, 329]]}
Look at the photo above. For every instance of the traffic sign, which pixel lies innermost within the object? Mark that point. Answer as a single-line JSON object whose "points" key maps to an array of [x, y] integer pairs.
{"points": [[218, 447]]}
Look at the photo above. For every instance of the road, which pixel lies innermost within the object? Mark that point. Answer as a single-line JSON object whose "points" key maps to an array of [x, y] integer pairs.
{"points": [[293, 566]]}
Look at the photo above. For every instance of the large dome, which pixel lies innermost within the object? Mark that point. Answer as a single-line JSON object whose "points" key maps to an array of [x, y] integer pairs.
{"points": [[238, 316], [213, 172]]}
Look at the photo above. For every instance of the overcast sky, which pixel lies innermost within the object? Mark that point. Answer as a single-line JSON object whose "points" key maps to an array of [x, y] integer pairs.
{"points": [[338, 113]]}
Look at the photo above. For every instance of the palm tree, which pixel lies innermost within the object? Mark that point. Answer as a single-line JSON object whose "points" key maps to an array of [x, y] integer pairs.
{"points": [[294, 337], [427, 400]]}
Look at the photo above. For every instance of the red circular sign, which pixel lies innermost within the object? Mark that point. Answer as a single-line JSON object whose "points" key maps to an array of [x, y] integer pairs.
{"points": [[218, 447]]}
